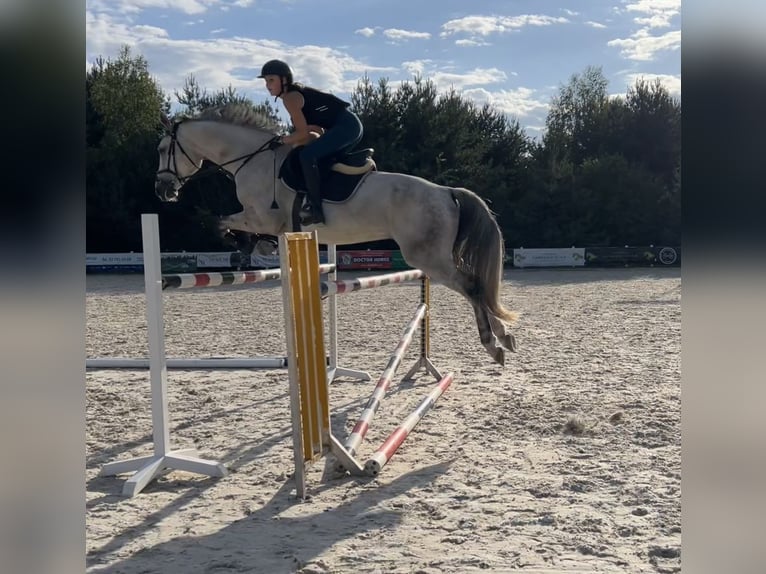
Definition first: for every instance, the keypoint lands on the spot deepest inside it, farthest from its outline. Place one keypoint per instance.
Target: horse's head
(177, 164)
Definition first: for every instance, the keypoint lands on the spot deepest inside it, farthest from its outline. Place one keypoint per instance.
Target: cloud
(150, 31)
(671, 83)
(397, 34)
(518, 102)
(659, 12)
(475, 77)
(183, 6)
(417, 67)
(366, 32)
(486, 25)
(471, 43)
(642, 46)
(219, 62)
(595, 24)
(445, 79)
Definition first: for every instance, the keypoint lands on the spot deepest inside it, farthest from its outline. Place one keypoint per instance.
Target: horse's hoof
(510, 342)
(499, 356)
(265, 247)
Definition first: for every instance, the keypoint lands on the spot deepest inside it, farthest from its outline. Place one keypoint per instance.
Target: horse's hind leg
(493, 332)
(442, 270)
(500, 330)
(487, 335)
(431, 251)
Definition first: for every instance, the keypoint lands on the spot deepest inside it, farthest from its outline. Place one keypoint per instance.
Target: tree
(123, 105)
(125, 97)
(376, 109)
(653, 131)
(575, 122)
(607, 168)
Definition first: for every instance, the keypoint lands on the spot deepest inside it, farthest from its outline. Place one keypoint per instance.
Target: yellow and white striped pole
(306, 359)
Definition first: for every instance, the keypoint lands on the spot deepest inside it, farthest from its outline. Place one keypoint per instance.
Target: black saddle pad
(335, 186)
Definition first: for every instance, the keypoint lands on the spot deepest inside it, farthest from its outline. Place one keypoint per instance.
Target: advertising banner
(114, 262)
(214, 260)
(179, 262)
(367, 259)
(553, 257)
(632, 256)
(114, 259)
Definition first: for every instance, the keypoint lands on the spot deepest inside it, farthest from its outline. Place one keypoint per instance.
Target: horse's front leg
(233, 222)
(239, 231)
(234, 231)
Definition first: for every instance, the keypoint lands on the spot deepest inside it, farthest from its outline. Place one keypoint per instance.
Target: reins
(175, 143)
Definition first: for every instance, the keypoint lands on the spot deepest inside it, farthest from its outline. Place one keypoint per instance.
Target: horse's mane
(240, 114)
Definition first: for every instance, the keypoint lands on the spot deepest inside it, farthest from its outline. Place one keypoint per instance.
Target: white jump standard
(164, 458)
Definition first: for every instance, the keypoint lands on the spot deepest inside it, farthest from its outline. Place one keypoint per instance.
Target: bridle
(176, 144)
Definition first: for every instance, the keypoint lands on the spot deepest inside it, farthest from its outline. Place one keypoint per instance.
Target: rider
(309, 110)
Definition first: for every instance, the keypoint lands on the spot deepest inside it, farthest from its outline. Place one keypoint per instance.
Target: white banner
(554, 257)
(92, 259)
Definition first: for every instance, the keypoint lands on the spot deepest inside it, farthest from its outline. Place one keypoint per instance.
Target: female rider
(312, 110)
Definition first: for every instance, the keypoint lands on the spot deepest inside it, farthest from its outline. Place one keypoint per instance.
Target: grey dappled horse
(447, 232)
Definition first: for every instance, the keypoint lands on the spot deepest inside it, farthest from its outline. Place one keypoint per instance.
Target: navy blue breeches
(342, 137)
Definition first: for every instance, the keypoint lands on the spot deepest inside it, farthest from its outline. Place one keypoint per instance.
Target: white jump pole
(192, 280)
(201, 363)
(164, 459)
(334, 371)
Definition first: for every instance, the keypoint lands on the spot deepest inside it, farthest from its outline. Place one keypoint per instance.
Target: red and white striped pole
(220, 278)
(381, 456)
(363, 424)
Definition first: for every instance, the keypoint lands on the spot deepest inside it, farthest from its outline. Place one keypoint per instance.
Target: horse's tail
(479, 251)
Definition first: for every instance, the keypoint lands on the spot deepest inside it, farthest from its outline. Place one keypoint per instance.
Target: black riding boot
(311, 211)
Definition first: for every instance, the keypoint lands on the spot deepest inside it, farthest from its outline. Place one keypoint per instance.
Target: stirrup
(310, 214)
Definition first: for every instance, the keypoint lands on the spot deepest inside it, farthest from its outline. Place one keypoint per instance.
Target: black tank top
(319, 108)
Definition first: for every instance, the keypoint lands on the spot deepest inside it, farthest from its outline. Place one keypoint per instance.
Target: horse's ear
(166, 123)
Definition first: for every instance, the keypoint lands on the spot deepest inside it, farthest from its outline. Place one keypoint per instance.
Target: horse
(449, 233)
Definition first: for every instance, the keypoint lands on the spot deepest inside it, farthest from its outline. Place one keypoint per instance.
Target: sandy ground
(568, 459)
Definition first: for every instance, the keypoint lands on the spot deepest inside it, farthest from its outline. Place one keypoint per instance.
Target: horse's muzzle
(165, 190)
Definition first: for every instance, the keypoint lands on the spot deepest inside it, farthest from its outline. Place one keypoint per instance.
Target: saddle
(339, 175)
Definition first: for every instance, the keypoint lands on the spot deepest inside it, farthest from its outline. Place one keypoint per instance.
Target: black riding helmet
(277, 68)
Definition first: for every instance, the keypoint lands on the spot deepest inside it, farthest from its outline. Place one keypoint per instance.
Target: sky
(514, 55)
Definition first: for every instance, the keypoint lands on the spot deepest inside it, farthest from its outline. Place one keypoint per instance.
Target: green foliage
(608, 169)
(123, 105)
(125, 97)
